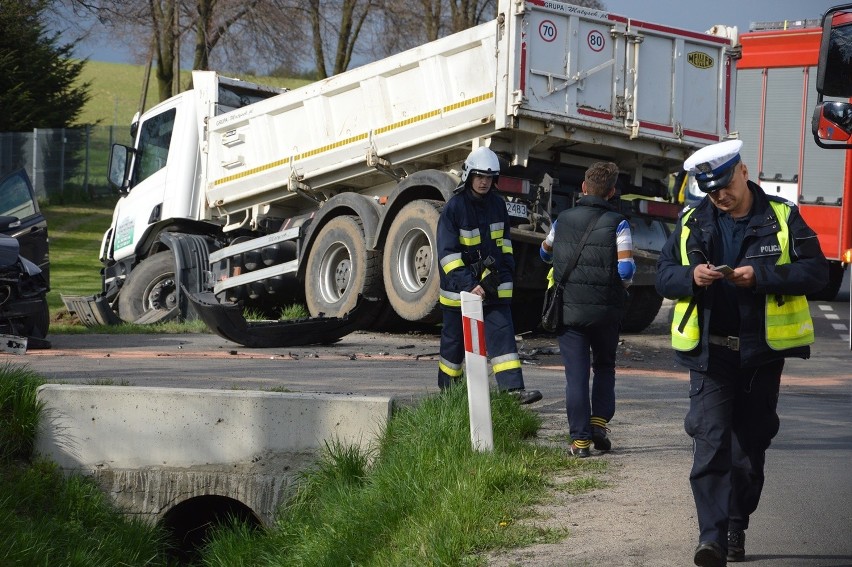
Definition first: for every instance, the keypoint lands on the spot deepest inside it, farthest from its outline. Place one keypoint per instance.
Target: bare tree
(215, 19)
(164, 23)
(338, 24)
(468, 13)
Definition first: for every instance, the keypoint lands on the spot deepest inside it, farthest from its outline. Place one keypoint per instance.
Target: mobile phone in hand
(724, 268)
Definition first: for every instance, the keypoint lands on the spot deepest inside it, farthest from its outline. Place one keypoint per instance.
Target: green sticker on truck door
(123, 233)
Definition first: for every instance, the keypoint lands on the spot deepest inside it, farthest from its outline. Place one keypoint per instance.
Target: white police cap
(713, 165)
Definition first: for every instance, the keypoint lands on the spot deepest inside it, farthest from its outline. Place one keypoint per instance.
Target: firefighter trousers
(502, 351)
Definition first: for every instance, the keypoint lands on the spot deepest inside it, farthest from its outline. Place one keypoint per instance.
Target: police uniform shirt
(725, 320)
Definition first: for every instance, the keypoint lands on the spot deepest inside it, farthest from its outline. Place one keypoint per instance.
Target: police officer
(475, 255)
(733, 327)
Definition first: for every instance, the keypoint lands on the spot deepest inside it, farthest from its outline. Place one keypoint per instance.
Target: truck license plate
(517, 209)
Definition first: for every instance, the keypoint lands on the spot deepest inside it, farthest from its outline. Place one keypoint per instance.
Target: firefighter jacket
(594, 291)
(774, 317)
(470, 230)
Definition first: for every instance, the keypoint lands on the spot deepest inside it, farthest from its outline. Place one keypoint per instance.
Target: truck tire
(150, 286)
(340, 268)
(410, 264)
(640, 310)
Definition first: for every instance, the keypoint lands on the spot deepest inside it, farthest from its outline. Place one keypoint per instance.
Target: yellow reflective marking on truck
(359, 137)
(468, 102)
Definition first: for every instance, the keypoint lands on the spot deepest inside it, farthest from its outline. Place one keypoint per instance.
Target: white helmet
(481, 161)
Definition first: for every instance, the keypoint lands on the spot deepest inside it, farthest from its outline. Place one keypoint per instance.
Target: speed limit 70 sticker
(547, 30)
(596, 40)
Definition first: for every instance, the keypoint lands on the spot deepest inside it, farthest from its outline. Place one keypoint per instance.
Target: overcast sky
(692, 15)
(702, 15)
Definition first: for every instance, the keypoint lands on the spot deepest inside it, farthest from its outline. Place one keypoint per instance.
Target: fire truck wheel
(641, 308)
(340, 268)
(410, 262)
(150, 286)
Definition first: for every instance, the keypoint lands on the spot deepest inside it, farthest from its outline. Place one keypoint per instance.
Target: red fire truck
(776, 95)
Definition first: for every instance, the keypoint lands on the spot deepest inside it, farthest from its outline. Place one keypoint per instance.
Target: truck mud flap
(92, 310)
(227, 321)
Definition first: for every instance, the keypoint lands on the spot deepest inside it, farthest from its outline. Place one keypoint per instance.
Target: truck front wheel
(410, 266)
(149, 287)
(340, 268)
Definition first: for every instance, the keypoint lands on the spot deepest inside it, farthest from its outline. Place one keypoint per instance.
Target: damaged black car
(24, 262)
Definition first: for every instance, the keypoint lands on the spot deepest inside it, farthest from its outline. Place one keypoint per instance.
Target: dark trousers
(499, 343)
(732, 419)
(588, 351)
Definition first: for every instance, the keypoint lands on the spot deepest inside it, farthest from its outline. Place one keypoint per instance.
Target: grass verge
(421, 497)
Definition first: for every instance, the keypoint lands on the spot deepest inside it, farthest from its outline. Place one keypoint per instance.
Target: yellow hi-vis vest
(788, 317)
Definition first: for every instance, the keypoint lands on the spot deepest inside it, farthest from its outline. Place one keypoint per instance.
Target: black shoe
(526, 396)
(579, 452)
(709, 554)
(600, 439)
(736, 545)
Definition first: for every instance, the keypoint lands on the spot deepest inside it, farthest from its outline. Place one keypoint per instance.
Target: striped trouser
(499, 343)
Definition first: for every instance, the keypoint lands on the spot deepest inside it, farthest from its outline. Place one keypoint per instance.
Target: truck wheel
(410, 264)
(340, 268)
(149, 287)
(641, 308)
(835, 279)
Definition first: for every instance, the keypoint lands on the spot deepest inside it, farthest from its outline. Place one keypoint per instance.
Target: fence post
(35, 160)
(476, 371)
(86, 170)
(62, 167)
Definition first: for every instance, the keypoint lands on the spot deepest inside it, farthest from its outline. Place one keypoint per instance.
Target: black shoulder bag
(551, 312)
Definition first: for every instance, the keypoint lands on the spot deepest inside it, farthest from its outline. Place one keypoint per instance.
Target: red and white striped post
(476, 370)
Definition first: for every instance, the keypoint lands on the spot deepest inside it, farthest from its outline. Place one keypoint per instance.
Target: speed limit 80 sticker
(596, 40)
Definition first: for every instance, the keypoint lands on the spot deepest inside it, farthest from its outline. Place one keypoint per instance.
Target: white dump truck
(329, 194)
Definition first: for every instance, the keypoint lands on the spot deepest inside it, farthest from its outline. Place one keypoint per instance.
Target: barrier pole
(476, 371)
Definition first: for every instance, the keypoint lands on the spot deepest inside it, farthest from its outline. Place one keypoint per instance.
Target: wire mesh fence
(66, 165)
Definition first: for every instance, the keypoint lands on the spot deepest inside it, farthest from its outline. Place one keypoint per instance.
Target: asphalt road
(805, 518)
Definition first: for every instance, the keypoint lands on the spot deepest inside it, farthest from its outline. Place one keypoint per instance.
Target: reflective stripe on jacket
(788, 319)
(471, 229)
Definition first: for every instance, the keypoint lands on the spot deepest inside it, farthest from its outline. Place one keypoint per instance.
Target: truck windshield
(837, 80)
(155, 137)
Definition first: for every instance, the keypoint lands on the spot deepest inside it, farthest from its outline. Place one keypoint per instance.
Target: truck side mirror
(119, 174)
(832, 121)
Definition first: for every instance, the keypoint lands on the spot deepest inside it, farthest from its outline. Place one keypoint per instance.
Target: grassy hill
(116, 88)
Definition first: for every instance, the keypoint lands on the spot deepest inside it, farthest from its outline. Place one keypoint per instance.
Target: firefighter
(732, 328)
(475, 255)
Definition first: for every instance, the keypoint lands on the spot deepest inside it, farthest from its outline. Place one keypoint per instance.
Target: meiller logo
(699, 59)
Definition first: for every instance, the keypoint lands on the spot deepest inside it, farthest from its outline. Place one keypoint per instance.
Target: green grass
(20, 412)
(420, 497)
(48, 519)
(423, 497)
(75, 239)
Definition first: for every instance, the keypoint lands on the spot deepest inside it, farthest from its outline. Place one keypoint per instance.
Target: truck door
(162, 179)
